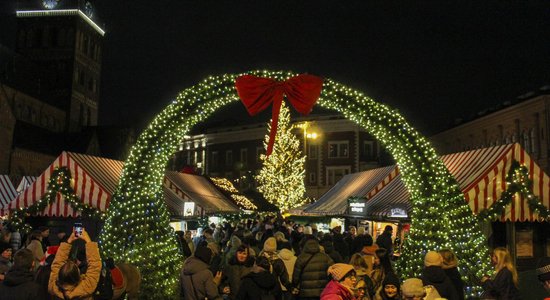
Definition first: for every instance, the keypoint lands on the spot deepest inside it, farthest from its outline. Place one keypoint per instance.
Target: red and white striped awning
(7, 191)
(481, 175)
(94, 182)
(25, 182)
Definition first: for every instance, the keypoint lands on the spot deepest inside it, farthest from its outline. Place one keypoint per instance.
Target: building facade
(335, 147)
(527, 121)
(49, 85)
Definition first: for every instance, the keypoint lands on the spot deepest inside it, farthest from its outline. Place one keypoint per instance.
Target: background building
(50, 87)
(526, 120)
(335, 147)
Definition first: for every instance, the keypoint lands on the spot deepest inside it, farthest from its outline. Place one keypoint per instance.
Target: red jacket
(335, 291)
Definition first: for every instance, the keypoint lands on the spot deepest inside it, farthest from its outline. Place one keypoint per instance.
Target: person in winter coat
(450, 266)
(277, 266)
(341, 284)
(504, 285)
(35, 245)
(282, 242)
(414, 289)
(382, 266)
(309, 275)
(5, 259)
(327, 243)
(433, 274)
(231, 248)
(260, 283)
(42, 276)
(238, 266)
(66, 282)
(289, 259)
(390, 289)
(18, 283)
(361, 239)
(339, 244)
(363, 274)
(196, 280)
(385, 240)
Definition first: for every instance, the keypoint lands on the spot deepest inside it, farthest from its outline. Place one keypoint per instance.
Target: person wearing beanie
(342, 282)
(282, 242)
(450, 267)
(390, 289)
(433, 274)
(414, 289)
(277, 266)
(196, 280)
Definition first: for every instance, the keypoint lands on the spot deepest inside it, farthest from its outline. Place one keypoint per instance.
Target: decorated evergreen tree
(281, 179)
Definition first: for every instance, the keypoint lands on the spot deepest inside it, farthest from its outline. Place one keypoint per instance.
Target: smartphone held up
(78, 229)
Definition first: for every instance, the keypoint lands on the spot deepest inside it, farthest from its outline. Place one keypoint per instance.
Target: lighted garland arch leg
(137, 226)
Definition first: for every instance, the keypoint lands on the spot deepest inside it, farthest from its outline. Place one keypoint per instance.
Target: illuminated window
(338, 149)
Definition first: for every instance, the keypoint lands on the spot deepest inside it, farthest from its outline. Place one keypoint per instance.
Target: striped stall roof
(7, 191)
(334, 201)
(94, 178)
(25, 182)
(174, 202)
(481, 175)
(378, 205)
(199, 190)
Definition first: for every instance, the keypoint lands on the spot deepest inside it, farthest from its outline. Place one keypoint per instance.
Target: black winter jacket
(456, 280)
(313, 278)
(19, 285)
(434, 275)
(259, 284)
(502, 287)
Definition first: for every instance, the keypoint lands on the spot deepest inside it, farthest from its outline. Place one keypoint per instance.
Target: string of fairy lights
(137, 230)
(281, 178)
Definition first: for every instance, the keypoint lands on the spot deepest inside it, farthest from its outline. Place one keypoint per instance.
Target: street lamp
(312, 135)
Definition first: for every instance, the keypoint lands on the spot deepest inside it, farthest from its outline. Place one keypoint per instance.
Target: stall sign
(188, 209)
(398, 212)
(357, 206)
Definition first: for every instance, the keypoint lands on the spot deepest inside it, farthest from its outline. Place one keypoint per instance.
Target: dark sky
(433, 61)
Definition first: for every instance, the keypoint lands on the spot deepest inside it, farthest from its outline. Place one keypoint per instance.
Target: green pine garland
(60, 182)
(517, 182)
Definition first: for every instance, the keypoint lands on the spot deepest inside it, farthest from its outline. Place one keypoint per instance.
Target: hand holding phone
(78, 229)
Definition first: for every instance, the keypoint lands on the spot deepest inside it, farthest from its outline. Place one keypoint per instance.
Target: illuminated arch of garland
(137, 227)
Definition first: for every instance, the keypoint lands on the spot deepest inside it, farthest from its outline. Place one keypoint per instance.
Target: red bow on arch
(257, 93)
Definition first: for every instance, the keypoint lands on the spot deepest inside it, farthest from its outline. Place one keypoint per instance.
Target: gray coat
(196, 279)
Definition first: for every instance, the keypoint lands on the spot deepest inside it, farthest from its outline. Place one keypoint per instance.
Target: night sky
(433, 62)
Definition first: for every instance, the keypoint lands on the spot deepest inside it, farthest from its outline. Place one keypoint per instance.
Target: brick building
(340, 147)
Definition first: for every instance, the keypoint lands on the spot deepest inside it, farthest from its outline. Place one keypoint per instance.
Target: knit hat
(270, 245)
(543, 269)
(433, 258)
(203, 253)
(308, 230)
(413, 287)
(390, 278)
(280, 236)
(339, 271)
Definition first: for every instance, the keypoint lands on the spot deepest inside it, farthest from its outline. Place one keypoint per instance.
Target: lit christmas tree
(281, 179)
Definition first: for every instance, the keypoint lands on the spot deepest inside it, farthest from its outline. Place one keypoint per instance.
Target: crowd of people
(40, 267)
(274, 259)
(252, 259)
